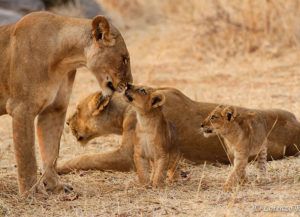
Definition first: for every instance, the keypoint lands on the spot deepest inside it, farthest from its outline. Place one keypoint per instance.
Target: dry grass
(236, 52)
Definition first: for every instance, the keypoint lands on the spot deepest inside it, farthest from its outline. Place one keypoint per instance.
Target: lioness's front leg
(239, 170)
(120, 159)
(23, 136)
(49, 128)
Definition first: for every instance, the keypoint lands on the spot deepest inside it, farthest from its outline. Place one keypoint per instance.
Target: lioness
(39, 56)
(248, 132)
(154, 138)
(117, 117)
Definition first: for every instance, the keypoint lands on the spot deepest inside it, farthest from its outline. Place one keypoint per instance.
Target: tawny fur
(117, 117)
(248, 132)
(39, 56)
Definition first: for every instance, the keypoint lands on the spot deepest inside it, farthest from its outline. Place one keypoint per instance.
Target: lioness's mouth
(111, 86)
(128, 96)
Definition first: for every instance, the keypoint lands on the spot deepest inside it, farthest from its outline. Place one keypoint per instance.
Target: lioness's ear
(101, 31)
(98, 103)
(101, 104)
(157, 99)
(93, 102)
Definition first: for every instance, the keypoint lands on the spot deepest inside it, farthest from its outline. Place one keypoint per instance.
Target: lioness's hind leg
(49, 128)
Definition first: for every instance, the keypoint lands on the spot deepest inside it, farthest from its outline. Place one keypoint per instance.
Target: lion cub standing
(248, 133)
(154, 146)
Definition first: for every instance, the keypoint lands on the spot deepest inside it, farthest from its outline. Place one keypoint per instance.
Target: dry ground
(268, 78)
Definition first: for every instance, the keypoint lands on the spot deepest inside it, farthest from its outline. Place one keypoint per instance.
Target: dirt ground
(160, 57)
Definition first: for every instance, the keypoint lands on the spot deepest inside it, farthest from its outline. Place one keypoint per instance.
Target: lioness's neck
(73, 40)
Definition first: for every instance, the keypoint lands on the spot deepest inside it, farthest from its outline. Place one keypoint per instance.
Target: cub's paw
(228, 187)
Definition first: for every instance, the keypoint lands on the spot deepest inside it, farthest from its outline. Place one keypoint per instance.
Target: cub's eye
(213, 117)
(142, 91)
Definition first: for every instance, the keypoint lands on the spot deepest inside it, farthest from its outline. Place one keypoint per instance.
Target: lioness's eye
(213, 117)
(142, 91)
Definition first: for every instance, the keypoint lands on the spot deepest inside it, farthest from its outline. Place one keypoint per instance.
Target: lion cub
(154, 146)
(246, 133)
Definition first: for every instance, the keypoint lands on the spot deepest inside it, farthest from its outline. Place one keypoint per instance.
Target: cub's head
(107, 56)
(91, 118)
(144, 99)
(219, 120)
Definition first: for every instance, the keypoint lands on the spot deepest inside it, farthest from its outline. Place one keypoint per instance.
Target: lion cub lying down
(248, 133)
(153, 143)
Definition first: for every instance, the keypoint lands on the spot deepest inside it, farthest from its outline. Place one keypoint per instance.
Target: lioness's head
(91, 118)
(144, 99)
(219, 120)
(107, 56)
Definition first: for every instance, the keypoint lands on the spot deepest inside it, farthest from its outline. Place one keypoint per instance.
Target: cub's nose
(202, 125)
(80, 138)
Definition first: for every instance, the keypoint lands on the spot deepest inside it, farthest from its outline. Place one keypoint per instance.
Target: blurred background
(223, 27)
(199, 45)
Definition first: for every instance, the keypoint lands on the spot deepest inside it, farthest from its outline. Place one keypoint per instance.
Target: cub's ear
(101, 31)
(230, 112)
(157, 99)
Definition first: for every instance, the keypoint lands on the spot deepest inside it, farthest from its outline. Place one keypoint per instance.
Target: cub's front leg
(261, 163)
(142, 167)
(160, 170)
(239, 170)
